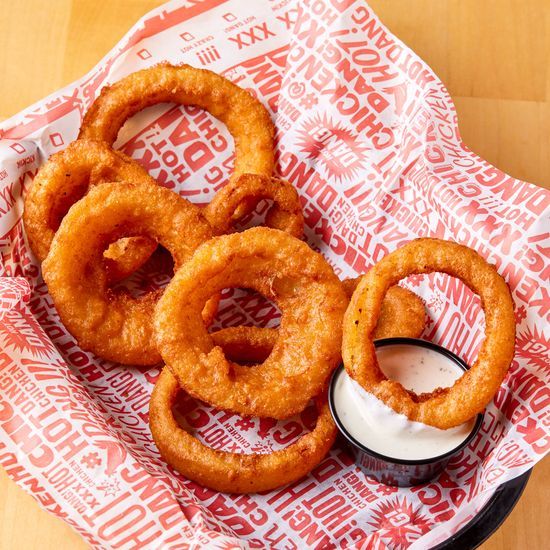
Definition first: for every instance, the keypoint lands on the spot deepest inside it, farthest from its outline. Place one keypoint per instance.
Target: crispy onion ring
(445, 407)
(298, 280)
(234, 472)
(63, 180)
(402, 312)
(240, 196)
(245, 117)
(110, 323)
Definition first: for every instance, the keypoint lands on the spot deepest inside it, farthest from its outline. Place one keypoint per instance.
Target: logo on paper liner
(399, 523)
(337, 150)
(534, 347)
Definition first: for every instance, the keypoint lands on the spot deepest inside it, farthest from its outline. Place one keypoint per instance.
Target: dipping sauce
(380, 428)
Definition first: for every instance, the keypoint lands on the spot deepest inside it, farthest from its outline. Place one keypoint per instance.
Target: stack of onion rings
(245, 117)
(445, 407)
(298, 280)
(203, 365)
(236, 472)
(63, 180)
(67, 175)
(112, 324)
(89, 236)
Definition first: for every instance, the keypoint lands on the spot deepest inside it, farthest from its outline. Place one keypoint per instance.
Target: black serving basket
(489, 518)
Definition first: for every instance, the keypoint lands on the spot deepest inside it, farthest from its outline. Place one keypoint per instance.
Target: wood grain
(494, 58)
(492, 55)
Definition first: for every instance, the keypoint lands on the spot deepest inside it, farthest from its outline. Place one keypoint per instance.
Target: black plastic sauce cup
(397, 471)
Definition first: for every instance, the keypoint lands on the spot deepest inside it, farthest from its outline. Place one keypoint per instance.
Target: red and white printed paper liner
(368, 135)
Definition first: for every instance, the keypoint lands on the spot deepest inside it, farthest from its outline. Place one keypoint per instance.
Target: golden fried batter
(298, 280)
(444, 407)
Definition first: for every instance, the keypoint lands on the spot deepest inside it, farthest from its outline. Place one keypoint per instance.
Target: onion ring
(127, 255)
(240, 196)
(246, 118)
(111, 323)
(402, 312)
(234, 472)
(309, 295)
(64, 179)
(246, 344)
(445, 407)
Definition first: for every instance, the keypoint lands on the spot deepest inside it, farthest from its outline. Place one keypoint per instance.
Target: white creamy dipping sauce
(380, 428)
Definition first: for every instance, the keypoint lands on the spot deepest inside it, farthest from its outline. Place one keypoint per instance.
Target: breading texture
(240, 196)
(64, 179)
(285, 270)
(402, 312)
(444, 407)
(113, 324)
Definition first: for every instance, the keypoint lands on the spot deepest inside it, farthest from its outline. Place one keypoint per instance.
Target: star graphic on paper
(110, 487)
(262, 447)
(308, 101)
(244, 424)
(520, 313)
(435, 303)
(91, 460)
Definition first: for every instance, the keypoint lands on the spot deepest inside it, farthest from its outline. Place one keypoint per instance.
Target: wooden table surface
(492, 55)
